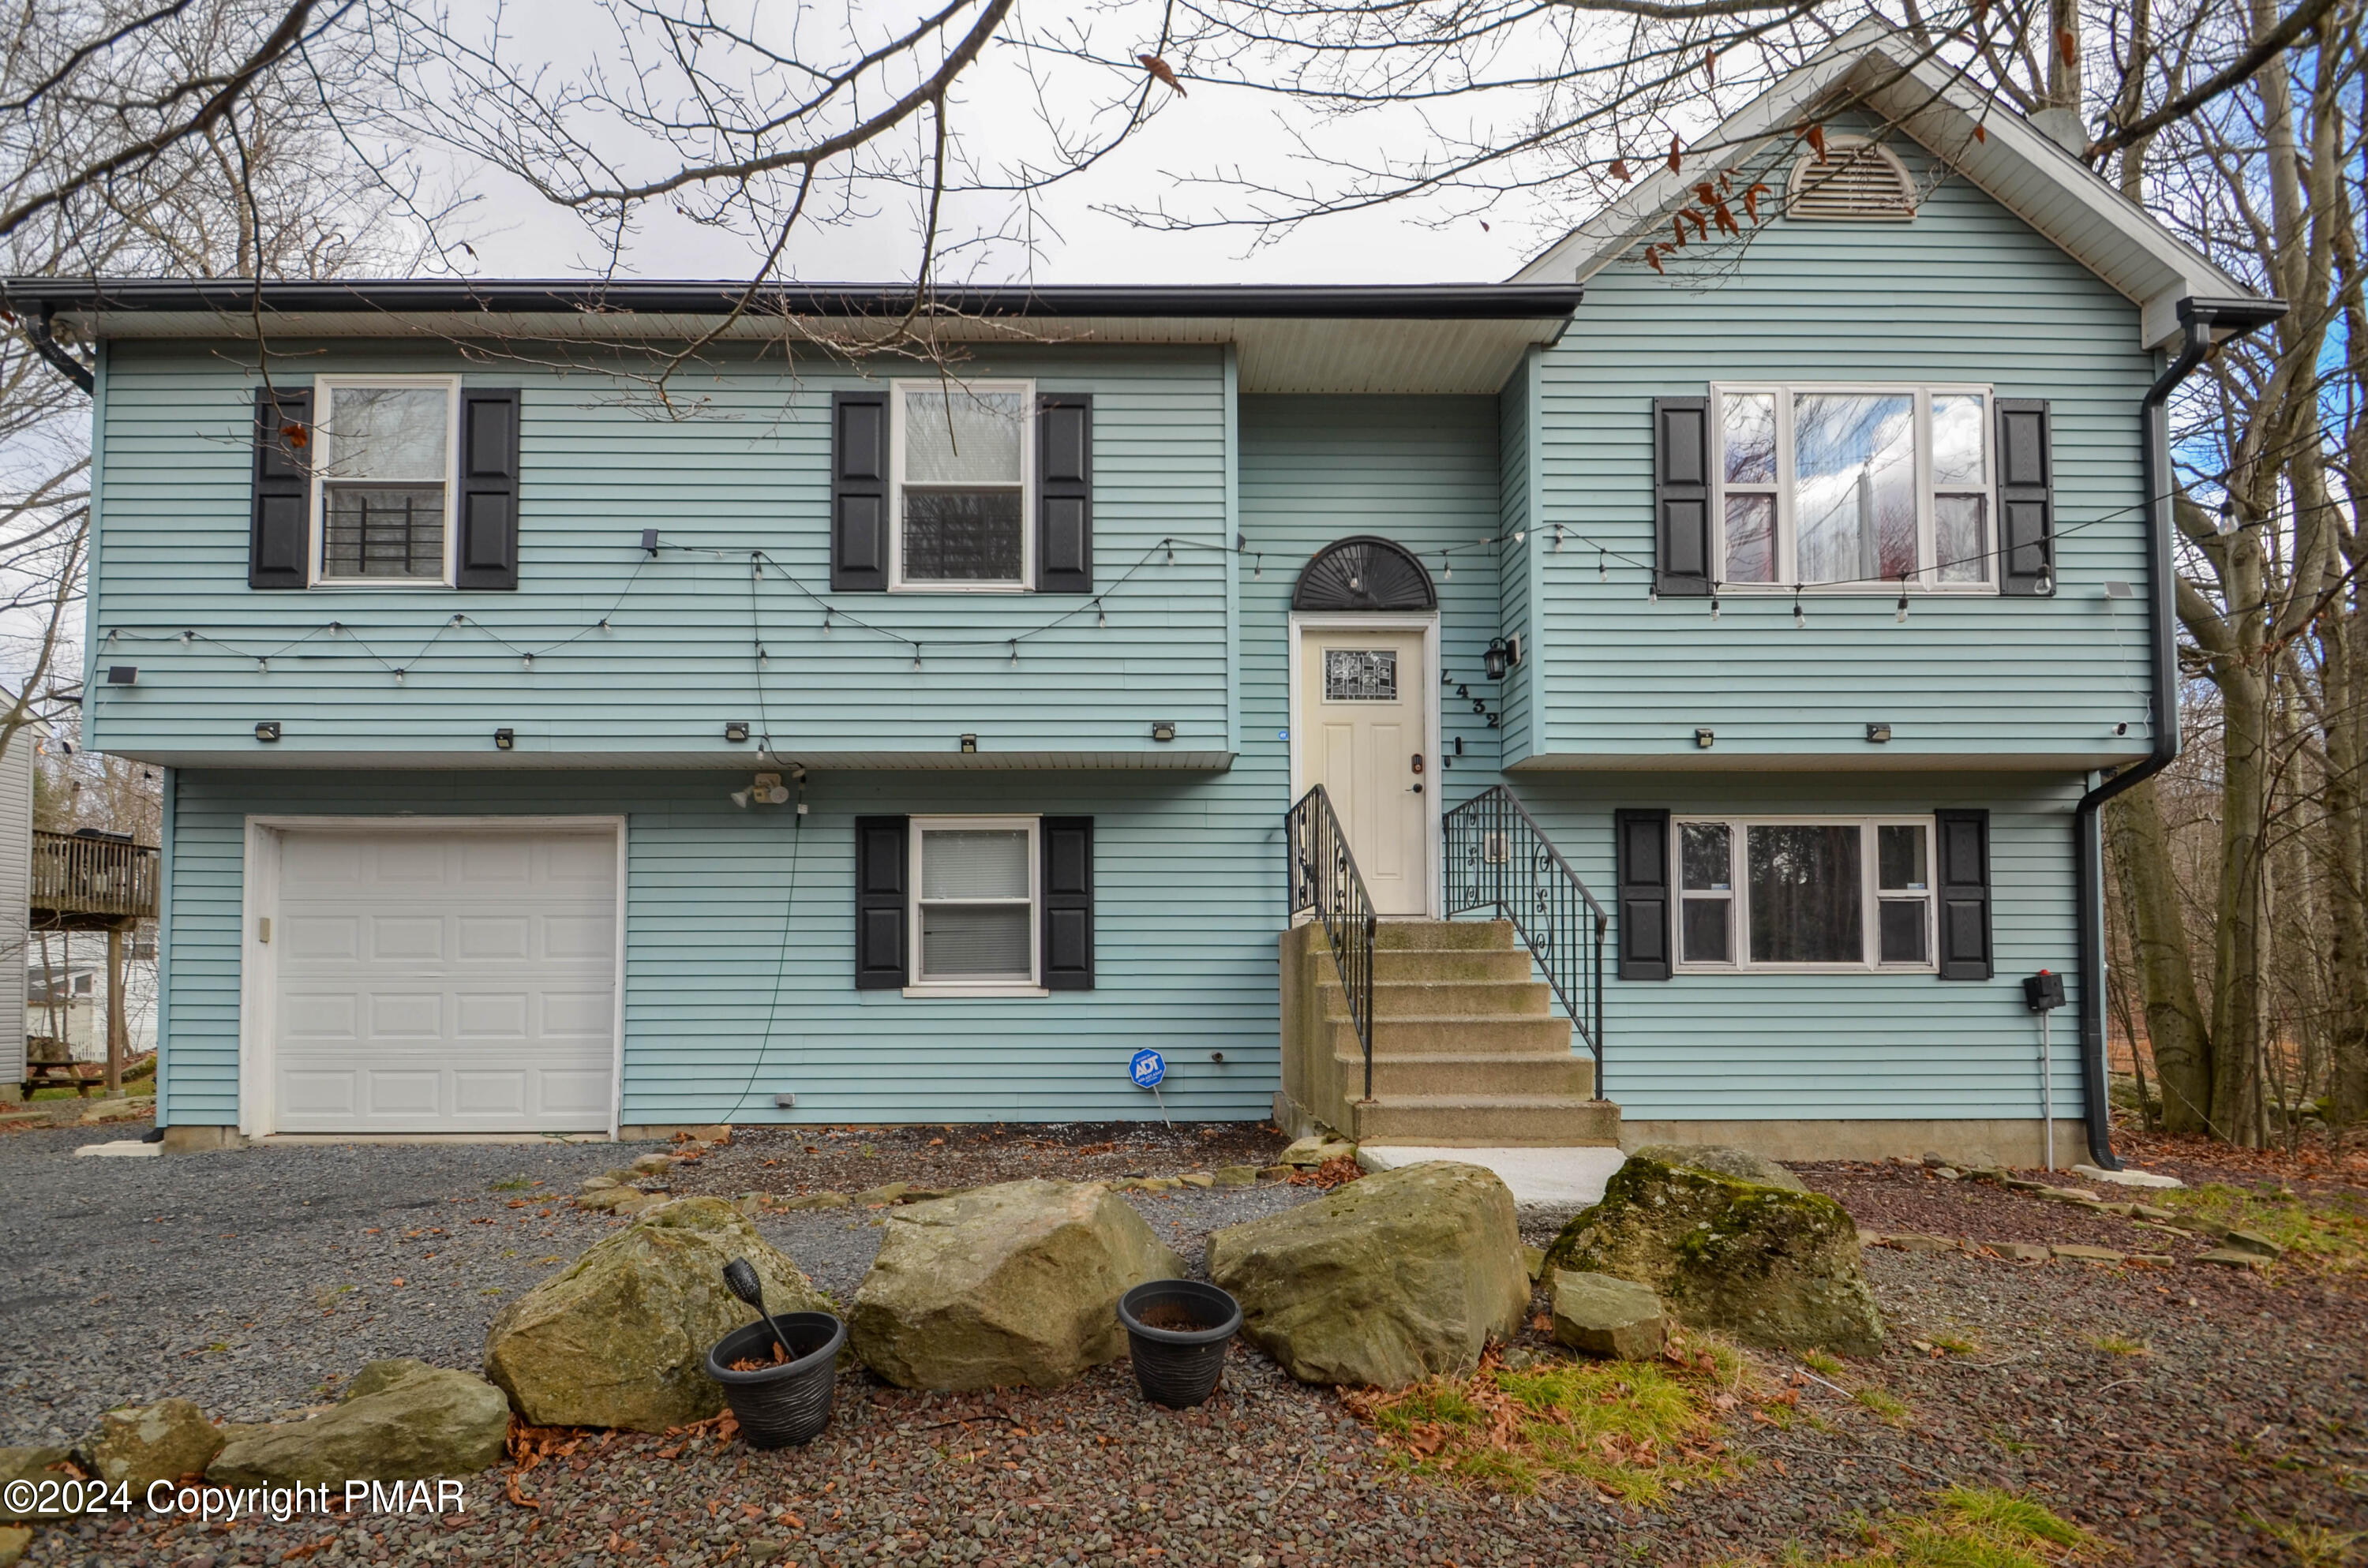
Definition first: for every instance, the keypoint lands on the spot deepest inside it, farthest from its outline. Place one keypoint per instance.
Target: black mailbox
(2043, 991)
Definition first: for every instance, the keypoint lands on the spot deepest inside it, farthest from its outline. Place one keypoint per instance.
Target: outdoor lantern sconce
(504, 740)
(122, 674)
(268, 731)
(1163, 729)
(735, 731)
(1498, 658)
(969, 743)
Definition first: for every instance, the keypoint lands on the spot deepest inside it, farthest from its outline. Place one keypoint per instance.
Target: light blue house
(843, 738)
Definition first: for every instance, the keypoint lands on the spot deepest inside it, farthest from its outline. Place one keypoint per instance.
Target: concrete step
(1548, 1036)
(1519, 1121)
(1446, 998)
(1444, 963)
(1454, 1074)
(1461, 934)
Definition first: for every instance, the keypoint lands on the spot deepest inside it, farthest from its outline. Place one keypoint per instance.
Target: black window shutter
(1681, 495)
(1067, 960)
(859, 493)
(1065, 492)
(882, 851)
(2026, 492)
(487, 557)
(280, 529)
(1962, 867)
(1642, 839)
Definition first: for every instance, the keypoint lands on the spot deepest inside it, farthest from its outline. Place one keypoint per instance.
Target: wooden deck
(83, 881)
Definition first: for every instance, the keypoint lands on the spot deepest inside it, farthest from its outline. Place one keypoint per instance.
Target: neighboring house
(66, 999)
(15, 883)
(538, 761)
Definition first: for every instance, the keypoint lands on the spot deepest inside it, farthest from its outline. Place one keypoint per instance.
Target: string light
(1602, 571)
(1101, 616)
(1557, 548)
(1902, 616)
(528, 660)
(1015, 653)
(826, 613)
(1713, 601)
(188, 638)
(917, 655)
(764, 659)
(398, 676)
(1446, 568)
(1257, 565)
(1171, 551)
(604, 626)
(262, 667)
(1800, 617)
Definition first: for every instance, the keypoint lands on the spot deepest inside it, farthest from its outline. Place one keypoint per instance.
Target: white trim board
(259, 967)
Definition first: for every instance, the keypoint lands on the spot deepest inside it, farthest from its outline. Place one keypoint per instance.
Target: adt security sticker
(1148, 1068)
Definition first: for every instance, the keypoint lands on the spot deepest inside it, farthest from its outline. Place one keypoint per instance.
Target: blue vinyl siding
(1748, 1046)
(1965, 293)
(746, 469)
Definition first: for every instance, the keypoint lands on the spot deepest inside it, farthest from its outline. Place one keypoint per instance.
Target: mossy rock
(401, 1420)
(145, 1443)
(1767, 1265)
(620, 1337)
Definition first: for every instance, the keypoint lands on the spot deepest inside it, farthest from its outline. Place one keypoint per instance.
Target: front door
(1363, 723)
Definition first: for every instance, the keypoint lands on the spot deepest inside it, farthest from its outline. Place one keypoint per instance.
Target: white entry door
(1365, 714)
(445, 980)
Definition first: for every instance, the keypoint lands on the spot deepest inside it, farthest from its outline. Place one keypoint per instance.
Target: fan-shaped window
(1859, 182)
(1363, 573)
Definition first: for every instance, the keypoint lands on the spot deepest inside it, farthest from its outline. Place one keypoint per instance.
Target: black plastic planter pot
(1180, 1353)
(786, 1404)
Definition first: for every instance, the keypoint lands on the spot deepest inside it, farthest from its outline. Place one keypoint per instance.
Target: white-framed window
(975, 898)
(386, 450)
(1803, 893)
(962, 484)
(1866, 487)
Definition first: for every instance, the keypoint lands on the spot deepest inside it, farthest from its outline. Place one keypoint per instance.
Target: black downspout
(46, 345)
(2198, 318)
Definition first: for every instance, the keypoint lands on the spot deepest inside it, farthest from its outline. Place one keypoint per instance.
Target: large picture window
(1804, 893)
(974, 903)
(1867, 486)
(962, 461)
(383, 479)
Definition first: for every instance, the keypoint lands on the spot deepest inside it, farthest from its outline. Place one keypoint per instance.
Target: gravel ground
(2218, 1398)
(853, 1159)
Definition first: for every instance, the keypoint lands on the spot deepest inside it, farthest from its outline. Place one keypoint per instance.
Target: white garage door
(445, 981)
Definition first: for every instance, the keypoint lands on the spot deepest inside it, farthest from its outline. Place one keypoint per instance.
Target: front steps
(1468, 1050)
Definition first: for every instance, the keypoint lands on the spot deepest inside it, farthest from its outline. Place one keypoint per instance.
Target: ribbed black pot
(1178, 1367)
(788, 1402)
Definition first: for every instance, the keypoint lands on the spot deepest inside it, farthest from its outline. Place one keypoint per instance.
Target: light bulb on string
(1171, 550)
(1602, 568)
(763, 658)
(1101, 616)
(1713, 601)
(1446, 568)
(917, 655)
(1557, 548)
(1015, 653)
(398, 677)
(188, 638)
(1901, 616)
(604, 626)
(1257, 564)
(263, 667)
(1800, 617)
(826, 613)
(525, 661)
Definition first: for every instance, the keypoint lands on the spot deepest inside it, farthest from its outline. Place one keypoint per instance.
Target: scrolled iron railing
(1496, 854)
(1325, 879)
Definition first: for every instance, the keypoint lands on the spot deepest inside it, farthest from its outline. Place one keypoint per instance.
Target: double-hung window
(974, 903)
(1876, 487)
(383, 479)
(961, 467)
(1804, 893)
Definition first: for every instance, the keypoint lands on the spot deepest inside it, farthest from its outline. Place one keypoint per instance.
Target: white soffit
(2021, 167)
(1278, 354)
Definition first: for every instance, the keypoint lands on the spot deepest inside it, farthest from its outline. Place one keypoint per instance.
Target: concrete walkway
(1560, 1178)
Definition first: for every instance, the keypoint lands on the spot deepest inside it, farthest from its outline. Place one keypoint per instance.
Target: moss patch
(1968, 1527)
(1635, 1430)
(2328, 1231)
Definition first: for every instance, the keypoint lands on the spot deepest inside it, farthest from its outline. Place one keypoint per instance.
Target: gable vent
(1859, 182)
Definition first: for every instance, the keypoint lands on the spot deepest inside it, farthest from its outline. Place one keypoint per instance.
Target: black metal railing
(1324, 879)
(1496, 854)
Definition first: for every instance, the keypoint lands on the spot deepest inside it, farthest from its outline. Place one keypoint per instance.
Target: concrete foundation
(193, 1138)
(2013, 1141)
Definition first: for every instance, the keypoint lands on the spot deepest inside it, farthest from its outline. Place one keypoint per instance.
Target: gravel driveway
(254, 1281)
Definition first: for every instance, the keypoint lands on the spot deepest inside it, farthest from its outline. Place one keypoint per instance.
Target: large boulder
(400, 1420)
(1002, 1286)
(620, 1337)
(1769, 1265)
(1382, 1282)
(1721, 1159)
(146, 1443)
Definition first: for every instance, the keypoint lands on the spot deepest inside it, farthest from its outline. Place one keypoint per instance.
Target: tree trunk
(2176, 1029)
(2343, 841)
(115, 1030)
(2236, 953)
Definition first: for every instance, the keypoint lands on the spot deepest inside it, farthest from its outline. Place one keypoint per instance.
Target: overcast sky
(1213, 130)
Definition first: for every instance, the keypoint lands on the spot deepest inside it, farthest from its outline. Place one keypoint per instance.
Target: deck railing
(1324, 879)
(1496, 854)
(78, 876)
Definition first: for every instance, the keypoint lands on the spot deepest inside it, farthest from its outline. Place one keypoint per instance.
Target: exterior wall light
(122, 674)
(1878, 735)
(735, 731)
(1705, 738)
(969, 744)
(1163, 729)
(268, 731)
(1498, 658)
(504, 740)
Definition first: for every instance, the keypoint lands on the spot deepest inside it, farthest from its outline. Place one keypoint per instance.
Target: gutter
(2198, 318)
(245, 297)
(54, 355)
